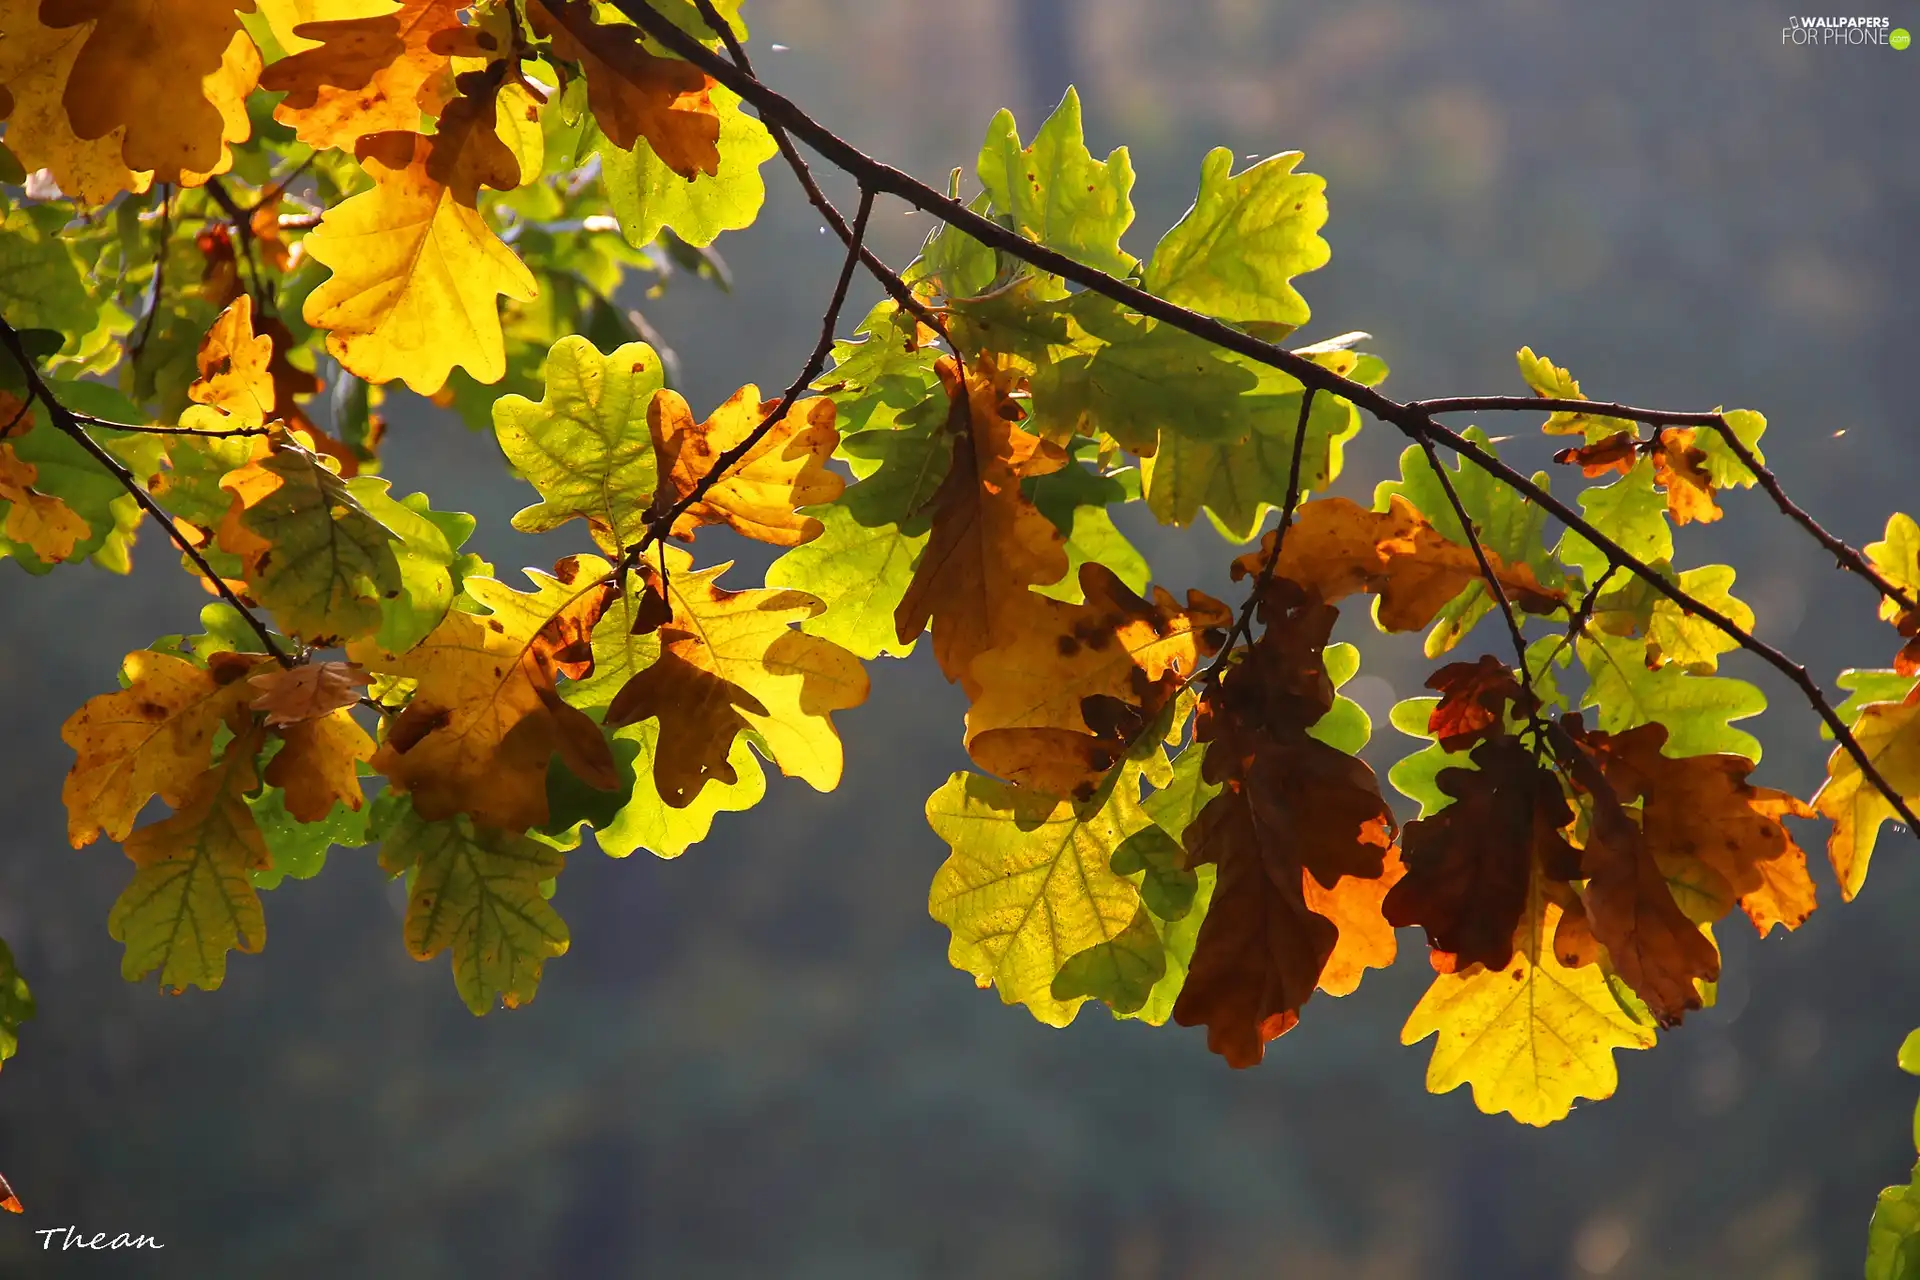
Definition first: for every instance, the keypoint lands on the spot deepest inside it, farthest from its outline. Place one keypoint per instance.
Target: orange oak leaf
(484, 720)
(234, 367)
(173, 126)
(1354, 905)
(1291, 810)
(290, 695)
(1470, 864)
(1631, 912)
(318, 763)
(785, 469)
(633, 93)
(367, 75)
(989, 544)
(1060, 701)
(734, 661)
(40, 520)
(1679, 467)
(152, 738)
(468, 152)
(1717, 839)
(1615, 453)
(1475, 699)
(8, 1200)
(1336, 547)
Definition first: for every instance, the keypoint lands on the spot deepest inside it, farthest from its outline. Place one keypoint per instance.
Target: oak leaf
(1028, 887)
(785, 469)
(989, 544)
(415, 276)
(1889, 734)
(35, 64)
(318, 764)
(172, 124)
(485, 717)
(233, 362)
(475, 890)
(39, 520)
(634, 93)
(190, 901)
(363, 74)
(154, 737)
(310, 552)
(1291, 809)
(1336, 548)
(1469, 866)
(732, 662)
(1531, 1037)
(1060, 701)
(290, 695)
(1680, 469)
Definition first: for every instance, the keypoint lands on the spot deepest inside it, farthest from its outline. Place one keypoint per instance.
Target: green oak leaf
(1346, 726)
(299, 849)
(1172, 807)
(16, 1003)
(1029, 886)
(330, 565)
(1238, 483)
(871, 536)
(1672, 633)
(1869, 686)
(645, 195)
(40, 282)
(68, 472)
(1248, 234)
(1631, 512)
(1056, 193)
(585, 446)
(1135, 379)
(1723, 464)
(427, 549)
(1893, 1234)
(1551, 381)
(1697, 710)
(477, 892)
(1078, 499)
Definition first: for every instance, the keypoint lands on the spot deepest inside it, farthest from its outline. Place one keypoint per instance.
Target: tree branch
(1416, 423)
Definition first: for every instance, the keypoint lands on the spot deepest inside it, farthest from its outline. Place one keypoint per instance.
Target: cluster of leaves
(1170, 814)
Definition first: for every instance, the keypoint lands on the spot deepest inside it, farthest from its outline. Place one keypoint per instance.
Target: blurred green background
(755, 1061)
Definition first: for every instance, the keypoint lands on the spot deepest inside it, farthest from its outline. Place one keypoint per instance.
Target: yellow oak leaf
(415, 276)
(362, 67)
(484, 719)
(1530, 1038)
(1060, 701)
(989, 544)
(785, 469)
(155, 737)
(732, 661)
(35, 65)
(317, 765)
(40, 520)
(636, 94)
(143, 68)
(1889, 733)
(191, 901)
(1028, 885)
(233, 363)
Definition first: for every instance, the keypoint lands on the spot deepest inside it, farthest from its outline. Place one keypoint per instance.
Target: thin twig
(155, 430)
(1243, 624)
(660, 525)
(803, 173)
(67, 423)
(1660, 420)
(159, 274)
(1417, 423)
